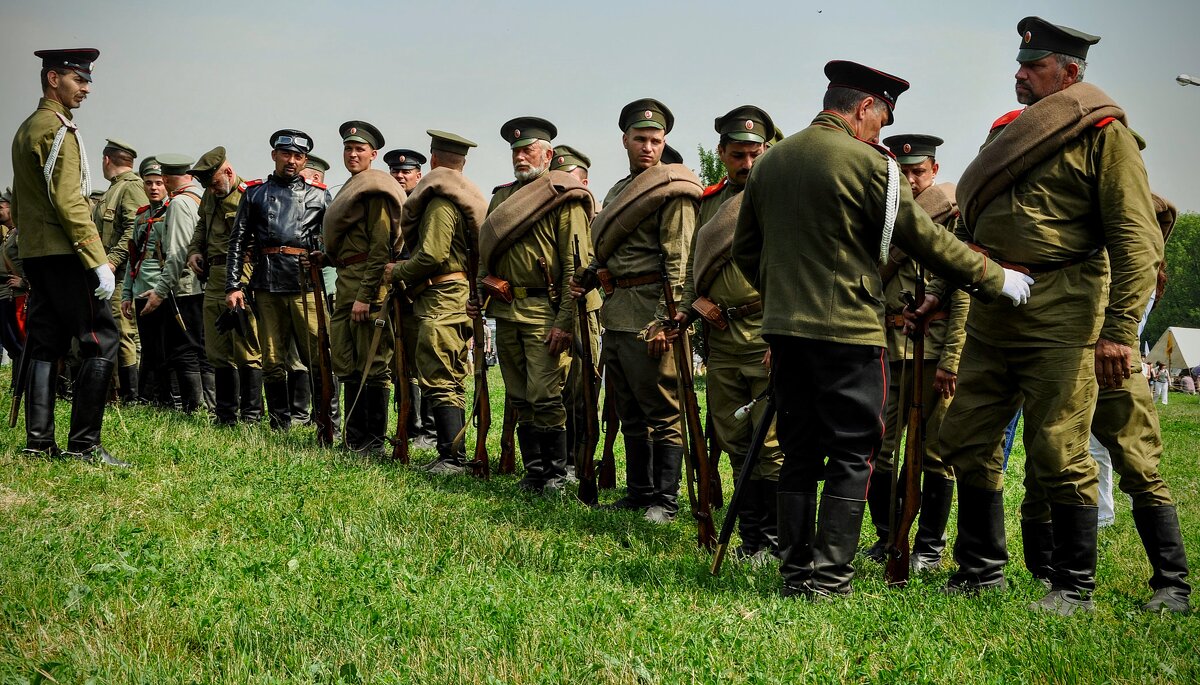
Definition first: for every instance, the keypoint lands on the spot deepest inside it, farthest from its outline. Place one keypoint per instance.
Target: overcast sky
(185, 77)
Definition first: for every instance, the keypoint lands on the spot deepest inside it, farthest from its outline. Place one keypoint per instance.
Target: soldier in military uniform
(314, 170)
(12, 285)
(64, 261)
(234, 354)
(810, 246)
(916, 155)
(114, 217)
(443, 212)
(660, 209)
(278, 224)
(526, 262)
(405, 166)
(142, 271)
(716, 291)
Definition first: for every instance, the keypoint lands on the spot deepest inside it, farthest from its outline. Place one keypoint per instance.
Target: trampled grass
(243, 556)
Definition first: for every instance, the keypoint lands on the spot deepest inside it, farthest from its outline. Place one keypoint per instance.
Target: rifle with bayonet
(698, 469)
(612, 428)
(400, 372)
(585, 448)
(481, 412)
(904, 512)
(739, 488)
(324, 408)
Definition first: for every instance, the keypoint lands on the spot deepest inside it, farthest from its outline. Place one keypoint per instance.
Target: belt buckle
(380, 323)
(520, 292)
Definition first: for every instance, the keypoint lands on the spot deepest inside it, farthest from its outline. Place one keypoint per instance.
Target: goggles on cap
(298, 141)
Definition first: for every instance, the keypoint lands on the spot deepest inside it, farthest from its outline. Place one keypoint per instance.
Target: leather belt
(435, 280)
(896, 321)
(520, 292)
(642, 279)
(742, 311)
(1032, 269)
(351, 260)
(294, 251)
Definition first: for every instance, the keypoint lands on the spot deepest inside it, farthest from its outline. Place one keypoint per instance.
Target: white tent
(1178, 348)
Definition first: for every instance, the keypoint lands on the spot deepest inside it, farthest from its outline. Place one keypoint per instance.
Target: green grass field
(242, 556)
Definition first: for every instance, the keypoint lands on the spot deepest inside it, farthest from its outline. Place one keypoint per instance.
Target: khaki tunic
(115, 217)
(349, 341)
(171, 237)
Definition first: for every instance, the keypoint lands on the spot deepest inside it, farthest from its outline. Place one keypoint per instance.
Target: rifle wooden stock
(400, 371)
(482, 409)
(899, 548)
(717, 490)
(607, 479)
(508, 445)
(585, 454)
(324, 408)
(698, 469)
(739, 488)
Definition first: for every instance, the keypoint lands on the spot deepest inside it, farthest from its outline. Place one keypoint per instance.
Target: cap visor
(1027, 55)
(522, 142)
(351, 139)
(747, 137)
(646, 124)
(911, 159)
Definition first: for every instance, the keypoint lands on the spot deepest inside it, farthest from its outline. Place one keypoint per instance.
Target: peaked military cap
(913, 148)
(646, 113)
(292, 140)
(775, 138)
(150, 167)
(315, 162)
(845, 74)
(120, 145)
(1040, 38)
(671, 156)
(567, 158)
(360, 132)
(522, 131)
(175, 164)
(449, 142)
(404, 159)
(78, 60)
(746, 123)
(6, 196)
(207, 165)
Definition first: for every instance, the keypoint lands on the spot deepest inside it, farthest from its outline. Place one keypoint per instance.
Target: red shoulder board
(143, 209)
(251, 184)
(314, 184)
(1105, 122)
(714, 188)
(242, 187)
(1007, 118)
(502, 185)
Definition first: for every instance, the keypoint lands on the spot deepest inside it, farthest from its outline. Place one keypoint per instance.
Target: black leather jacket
(275, 213)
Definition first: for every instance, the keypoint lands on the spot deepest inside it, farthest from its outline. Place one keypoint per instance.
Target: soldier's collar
(56, 107)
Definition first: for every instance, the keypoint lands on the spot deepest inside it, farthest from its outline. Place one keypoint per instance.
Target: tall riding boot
(554, 458)
(250, 393)
(531, 459)
(879, 495)
(127, 376)
(1037, 543)
(1159, 530)
(428, 423)
(750, 520)
(300, 389)
(937, 494)
(1073, 561)
(87, 412)
(838, 528)
(769, 492)
(415, 426)
(39, 408)
(279, 404)
(797, 523)
(356, 421)
(639, 478)
(980, 549)
(452, 457)
(191, 391)
(377, 397)
(667, 463)
(209, 385)
(226, 409)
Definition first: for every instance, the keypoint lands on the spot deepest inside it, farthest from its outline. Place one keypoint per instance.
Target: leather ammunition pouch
(498, 288)
(710, 311)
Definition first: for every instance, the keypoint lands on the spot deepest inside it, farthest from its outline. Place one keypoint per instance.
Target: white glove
(1016, 287)
(108, 284)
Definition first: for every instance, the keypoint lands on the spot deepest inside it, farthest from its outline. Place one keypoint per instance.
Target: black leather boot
(838, 528)
(531, 458)
(452, 456)
(879, 494)
(300, 389)
(797, 524)
(87, 413)
(279, 405)
(1073, 560)
(227, 382)
(980, 549)
(40, 394)
(191, 391)
(667, 468)
(356, 421)
(639, 477)
(209, 384)
(1037, 545)
(554, 459)
(127, 376)
(750, 522)
(937, 494)
(250, 392)
(1159, 530)
(377, 397)
(428, 424)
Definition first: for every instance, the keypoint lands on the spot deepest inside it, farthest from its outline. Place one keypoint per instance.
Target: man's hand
(16, 282)
(672, 332)
(152, 301)
(577, 290)
(127, 309)
(196, 264)
(317, 258)
(235, 299)
(387, 272)
(472, 308)
(1016, 287)
(1112, 363)
(766, 362)
(945, 383)
(657, 346)
(360, 312)
(112, 267)
(107, 283)
(920, 315)
(558, 340)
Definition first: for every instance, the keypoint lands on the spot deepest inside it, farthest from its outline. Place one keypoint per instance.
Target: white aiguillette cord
(891, 207)
(85, 174)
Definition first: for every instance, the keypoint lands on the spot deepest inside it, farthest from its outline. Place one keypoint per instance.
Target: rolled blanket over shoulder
(938, 202)
(714, 243)
(648, 191)
(348, 208)
(453, 186)
(1040, 131)
(517, 214)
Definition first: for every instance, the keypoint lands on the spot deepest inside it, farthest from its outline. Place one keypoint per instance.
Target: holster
(498, 288)
(551, 290)
(710, 312)
(607, 283)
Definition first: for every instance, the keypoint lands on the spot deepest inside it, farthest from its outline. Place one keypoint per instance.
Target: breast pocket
(872, 289)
